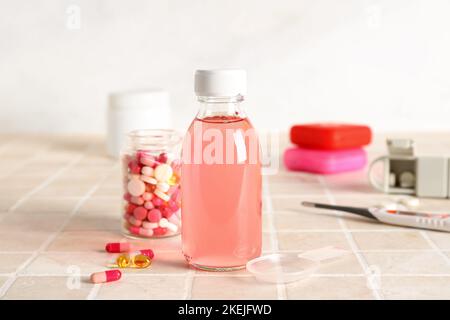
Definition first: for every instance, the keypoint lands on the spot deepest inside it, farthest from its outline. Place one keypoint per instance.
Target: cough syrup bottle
(221, 177)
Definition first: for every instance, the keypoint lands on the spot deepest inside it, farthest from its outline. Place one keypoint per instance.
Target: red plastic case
(330, 136)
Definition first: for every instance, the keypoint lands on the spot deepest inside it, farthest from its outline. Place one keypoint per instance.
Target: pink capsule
(116, 247)
(106, 276)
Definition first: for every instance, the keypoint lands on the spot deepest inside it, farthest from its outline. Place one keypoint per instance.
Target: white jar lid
(221, 82)
(145, 98)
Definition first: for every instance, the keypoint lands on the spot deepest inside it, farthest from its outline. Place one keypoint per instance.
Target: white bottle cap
(135, 110)
(221, 82)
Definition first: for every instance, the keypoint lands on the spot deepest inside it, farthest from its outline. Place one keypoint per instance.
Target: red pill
(127, 197)
(116, 247)
(134, 167)
(130, 208)
(157, 201)
(106, 276)
(167, 212)
(147, 252)
(162, 158)
(159, 231)
(154, 215)
(140, 213)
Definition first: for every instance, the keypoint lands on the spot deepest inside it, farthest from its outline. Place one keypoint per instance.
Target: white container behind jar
(133, 110)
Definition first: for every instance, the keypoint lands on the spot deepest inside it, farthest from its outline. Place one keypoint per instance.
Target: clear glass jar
(151, 180)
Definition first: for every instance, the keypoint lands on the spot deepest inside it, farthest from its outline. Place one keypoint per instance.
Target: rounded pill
(163, 186)
(148, 160)
(154, 215)
(137, 200)
(136, 187)
(147, 196)
(149, 179)
(147, 171)
(163, 172)
(135, 222)
(157, 201)
(140, 213)
(159, 231)
(149, 225)
(161, 195)
(149, 205)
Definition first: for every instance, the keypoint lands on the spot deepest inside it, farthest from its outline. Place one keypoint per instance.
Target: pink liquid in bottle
(221, 202)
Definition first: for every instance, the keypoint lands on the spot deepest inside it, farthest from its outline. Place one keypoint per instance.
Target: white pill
(407, 179)
(149, 225)
(163, 186)
(161, 195)
(164, 223)
(147, 171)
(410, 202)
(392, 179)
(136, 187)
(163, 172)
(149, 179)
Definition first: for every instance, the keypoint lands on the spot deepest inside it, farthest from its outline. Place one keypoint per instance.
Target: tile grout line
(225, 275)
(434, 247)
(189, 282)
(351, 241)
(281, 287)
(49, 239)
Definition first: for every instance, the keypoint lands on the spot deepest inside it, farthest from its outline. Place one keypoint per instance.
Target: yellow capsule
(141, 261)
(173, 180)
(123, 261)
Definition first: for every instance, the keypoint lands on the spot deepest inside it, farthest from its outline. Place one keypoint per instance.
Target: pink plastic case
(325, 162)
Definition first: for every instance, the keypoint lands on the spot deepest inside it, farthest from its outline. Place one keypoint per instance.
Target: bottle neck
(221, 108)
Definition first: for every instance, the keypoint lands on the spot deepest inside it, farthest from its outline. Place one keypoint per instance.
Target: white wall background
(381, 62)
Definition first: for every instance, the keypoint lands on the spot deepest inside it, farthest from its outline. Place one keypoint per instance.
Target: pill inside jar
(151, 170)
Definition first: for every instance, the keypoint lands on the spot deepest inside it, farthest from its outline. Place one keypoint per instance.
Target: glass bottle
(151, 180)
(221, 177)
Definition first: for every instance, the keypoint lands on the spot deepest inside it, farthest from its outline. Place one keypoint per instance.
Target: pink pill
(116, 247)
(159, 231)
(162, 158)
(135, 222)
(140, 213)
(173, 205)
(154, 215)
(157, 201)
(130, 208)
(137, 200)
(171, 190)
(148, 160)
(167, 212)
(141, 231)
(147, 196)
(127, 197)
(136, 187)
(106, 276)
(148, 205)
(134, 167)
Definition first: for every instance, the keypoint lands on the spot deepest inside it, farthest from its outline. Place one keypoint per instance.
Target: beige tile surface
(230, 287)
(144, 287)
(416, 287)
(54, 288)
(340, 288)
(56, 219)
